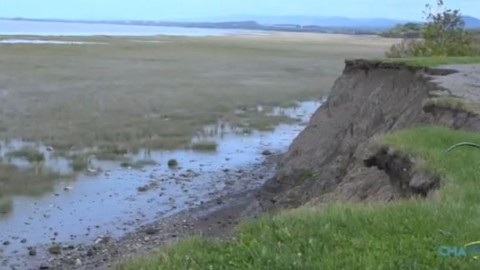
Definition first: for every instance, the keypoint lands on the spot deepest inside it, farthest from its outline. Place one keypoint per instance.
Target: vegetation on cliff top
(398, 235)
(443, 34)
(435, 61)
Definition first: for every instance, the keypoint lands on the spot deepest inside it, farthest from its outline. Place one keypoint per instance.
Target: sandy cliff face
(331, 158)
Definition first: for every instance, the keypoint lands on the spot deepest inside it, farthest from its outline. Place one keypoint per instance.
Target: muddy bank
(327, 161)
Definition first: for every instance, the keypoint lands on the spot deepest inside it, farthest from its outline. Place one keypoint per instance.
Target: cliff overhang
(369, 99)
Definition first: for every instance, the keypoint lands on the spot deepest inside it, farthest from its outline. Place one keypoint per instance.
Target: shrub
(443, 34)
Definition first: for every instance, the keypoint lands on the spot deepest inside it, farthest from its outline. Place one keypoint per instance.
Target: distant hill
(342, 22)
(280, 23)
(471, 22)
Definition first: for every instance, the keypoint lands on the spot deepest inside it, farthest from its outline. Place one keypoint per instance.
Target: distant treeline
(414, 30)
(241, 25)
(408, 30)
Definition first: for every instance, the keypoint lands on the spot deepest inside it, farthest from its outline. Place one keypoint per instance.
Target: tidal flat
(160, 92)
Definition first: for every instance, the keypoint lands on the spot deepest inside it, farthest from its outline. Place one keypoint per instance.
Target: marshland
(122, 121)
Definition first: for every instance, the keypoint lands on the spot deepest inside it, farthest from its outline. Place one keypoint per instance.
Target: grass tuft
(27, 153)
(454, 103)
(204, 146)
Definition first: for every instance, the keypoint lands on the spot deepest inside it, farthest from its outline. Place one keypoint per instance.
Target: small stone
(6, 243)
(44, 267)
(23, 241)
(151, 231)
(267, 153)
(55, 250)
(78, 263)
(32, 252)
(90, 253)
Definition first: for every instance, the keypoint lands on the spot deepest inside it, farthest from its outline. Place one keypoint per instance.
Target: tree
(443, 34)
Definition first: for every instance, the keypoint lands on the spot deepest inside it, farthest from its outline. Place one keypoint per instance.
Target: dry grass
(157, 95)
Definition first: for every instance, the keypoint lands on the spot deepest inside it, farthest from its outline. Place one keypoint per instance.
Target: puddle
(120, 200)
(40, 41)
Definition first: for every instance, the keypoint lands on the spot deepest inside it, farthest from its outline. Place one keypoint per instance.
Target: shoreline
(226, 181)
(215, 218)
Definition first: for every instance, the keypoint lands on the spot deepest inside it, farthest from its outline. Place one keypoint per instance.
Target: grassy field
(398, 235)
(157, 92)
(436, 61)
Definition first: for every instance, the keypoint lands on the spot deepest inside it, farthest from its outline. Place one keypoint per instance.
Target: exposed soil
(370, 98)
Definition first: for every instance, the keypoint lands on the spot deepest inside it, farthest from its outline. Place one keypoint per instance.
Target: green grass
(435, 61)
(397, 235)
(455, 104)
(27, 153)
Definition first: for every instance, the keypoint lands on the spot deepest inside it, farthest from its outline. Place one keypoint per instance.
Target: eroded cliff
(332, 157)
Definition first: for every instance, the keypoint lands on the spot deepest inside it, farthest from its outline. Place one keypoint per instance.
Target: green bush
(444, 34)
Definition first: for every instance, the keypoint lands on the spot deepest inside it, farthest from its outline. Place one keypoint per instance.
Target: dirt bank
(331, 158)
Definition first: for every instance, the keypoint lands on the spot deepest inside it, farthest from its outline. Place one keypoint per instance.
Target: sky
(205, 9)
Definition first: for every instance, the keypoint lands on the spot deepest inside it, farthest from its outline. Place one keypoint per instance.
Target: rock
(44, 267)
(102, 240)
(6, 243)
(142, 189)
(151, 231)
(267, 153)
(90, 252)
(55, 250)
(23, 241)
(32, 251)
(78, 263)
